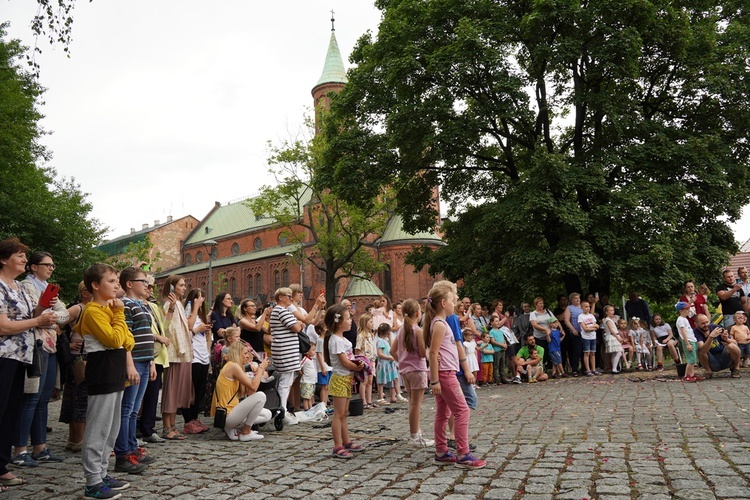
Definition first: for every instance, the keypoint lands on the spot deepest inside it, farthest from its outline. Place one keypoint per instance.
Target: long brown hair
(192, 295)
(440, 291)
(331, 322)
(410, 307)
(363, 325)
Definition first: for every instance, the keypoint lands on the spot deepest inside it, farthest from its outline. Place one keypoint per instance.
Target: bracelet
(434, 383)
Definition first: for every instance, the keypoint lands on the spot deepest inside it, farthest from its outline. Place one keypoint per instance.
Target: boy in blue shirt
(555, 339)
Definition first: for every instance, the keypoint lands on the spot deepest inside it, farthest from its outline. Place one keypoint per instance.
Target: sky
(164, 108)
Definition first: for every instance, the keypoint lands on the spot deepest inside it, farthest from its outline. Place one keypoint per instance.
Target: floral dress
(387, 371)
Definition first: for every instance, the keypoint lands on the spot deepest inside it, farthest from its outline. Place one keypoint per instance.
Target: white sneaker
(232, 434)
(251, 437)
(421, 442)
(516, 380)
(290, 419)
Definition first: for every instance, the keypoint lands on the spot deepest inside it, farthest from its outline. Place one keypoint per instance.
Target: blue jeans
(131, 403)
(470, 394)
(33, 417)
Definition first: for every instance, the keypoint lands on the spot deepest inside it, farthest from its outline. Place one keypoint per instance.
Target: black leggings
(200, 376)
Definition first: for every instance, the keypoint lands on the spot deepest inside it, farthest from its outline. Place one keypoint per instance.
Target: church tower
(333, 77)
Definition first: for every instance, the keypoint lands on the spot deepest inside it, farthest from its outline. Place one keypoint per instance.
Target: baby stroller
(273, 401)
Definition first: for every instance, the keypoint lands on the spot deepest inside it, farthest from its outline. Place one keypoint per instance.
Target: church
(248, 255)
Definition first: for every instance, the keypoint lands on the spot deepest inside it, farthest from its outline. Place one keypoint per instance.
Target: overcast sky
(165, 107)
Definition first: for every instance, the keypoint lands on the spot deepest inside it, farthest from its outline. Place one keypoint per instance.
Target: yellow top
(225, 389)
(108, 327)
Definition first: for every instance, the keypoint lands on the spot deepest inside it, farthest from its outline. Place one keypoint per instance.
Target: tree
(591, 144)
(333, 235)
(136, 253)
(47, 213)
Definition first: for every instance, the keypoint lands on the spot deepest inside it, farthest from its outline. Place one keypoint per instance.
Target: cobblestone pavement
(606, 437)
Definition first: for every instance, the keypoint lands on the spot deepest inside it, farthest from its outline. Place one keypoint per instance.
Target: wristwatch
(434, 383)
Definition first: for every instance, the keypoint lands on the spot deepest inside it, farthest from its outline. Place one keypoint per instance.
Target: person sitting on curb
(529, 359)
(717, 351)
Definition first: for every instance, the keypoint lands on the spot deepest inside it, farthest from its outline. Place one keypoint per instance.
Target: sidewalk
(630, 436)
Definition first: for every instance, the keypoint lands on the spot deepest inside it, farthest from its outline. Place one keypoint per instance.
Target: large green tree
(333, 235)
(46, 212)
(598, 145)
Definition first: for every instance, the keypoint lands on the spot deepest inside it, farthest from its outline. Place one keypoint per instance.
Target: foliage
(580, 145)
(47, 213)
(135, 254)
(332, 235)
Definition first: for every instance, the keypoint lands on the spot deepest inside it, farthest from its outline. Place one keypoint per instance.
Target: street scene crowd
(125, 350)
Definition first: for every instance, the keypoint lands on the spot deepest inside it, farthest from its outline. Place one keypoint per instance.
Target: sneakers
(190, 428)
(24, 460)
(115, 484)
(46, 456)
(447, 459)
(143, 457)
(452, 444)
(232, 434)
(129, 464)
(154, 438)
(516, 380)
(660, 367)
(253, 436)
(470, 462)
(100, 490)
(290, 419)
(421, 442)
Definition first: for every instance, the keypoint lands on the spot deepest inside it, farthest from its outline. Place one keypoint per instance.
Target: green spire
(333, 70)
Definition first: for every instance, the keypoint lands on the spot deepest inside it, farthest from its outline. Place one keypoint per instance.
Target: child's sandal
(351, 446)
(342, 452)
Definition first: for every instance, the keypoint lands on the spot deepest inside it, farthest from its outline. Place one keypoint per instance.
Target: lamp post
(210, 245)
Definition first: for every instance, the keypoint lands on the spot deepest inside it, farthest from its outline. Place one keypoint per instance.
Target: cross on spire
(333, 19)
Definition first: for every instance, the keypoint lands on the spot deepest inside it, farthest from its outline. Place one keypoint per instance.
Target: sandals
(736, 374)
(13, 481)
(350, 446)
(341, 452)
(172, 434)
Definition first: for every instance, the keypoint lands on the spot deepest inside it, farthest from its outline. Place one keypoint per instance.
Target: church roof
(394, 233)
(362, 287)
(333, 69)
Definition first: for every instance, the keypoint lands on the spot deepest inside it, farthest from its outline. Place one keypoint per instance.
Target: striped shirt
(285, 342)
(139, 324)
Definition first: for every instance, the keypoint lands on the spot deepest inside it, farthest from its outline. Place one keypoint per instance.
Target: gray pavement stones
(568, 439)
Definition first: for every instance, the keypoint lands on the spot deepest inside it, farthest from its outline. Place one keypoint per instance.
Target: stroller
(273, 401)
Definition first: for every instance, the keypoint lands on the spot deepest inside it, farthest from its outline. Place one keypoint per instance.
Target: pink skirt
(178, 389)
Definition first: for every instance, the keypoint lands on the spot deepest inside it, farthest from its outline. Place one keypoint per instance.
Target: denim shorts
(555, 357)
(589, 345)
(470, 394)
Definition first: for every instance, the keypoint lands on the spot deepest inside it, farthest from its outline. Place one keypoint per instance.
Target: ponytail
(440, 291)
(410, 307)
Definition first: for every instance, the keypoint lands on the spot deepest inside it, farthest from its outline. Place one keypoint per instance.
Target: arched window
(233, 287)
(235, 248)
(258, 244)
(188, 258)
(199, 256)
(250, 285)
(214, 252)
(258, 284)
(282, 238)
(276, 280)
(285, 277)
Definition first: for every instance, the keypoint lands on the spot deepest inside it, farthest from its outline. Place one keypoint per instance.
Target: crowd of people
(122, 348)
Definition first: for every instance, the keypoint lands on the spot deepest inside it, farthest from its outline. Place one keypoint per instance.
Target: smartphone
(171, 288)
(322, 291)
(50, 293)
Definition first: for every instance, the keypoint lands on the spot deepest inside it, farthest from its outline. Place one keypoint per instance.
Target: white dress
(471, 355)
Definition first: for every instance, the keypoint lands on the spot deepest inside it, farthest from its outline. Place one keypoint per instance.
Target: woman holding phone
(34, 412)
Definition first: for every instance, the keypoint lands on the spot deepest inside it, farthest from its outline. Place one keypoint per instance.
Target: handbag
(34, 370)
(220, 414)
(64, 356)
(78, 369)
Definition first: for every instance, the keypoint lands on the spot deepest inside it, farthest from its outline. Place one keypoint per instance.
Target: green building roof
(333, 69)
(361, 287)
(394, 233)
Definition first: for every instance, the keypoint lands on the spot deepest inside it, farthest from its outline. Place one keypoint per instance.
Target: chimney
(156, 222)
(169, 218)
(144, 226)
(132, 230)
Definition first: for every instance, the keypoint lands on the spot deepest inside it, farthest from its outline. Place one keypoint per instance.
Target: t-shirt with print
(542, 319)
(587, 319)
(336, 346)
(734, 304)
